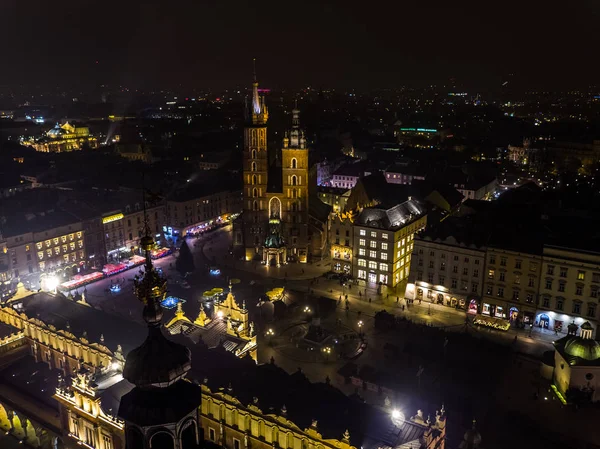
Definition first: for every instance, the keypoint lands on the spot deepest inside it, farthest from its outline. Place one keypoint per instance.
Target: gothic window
(253, 166)
(253, 179)
(253, 154)
(294, 180)
(294, 194)
(254, 192)
(294, 163)
(255, 205)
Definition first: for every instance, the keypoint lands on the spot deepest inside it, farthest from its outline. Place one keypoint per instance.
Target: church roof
(157, 362)
(579, 350)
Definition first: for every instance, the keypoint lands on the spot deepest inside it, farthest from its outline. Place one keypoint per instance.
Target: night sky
(369, 44)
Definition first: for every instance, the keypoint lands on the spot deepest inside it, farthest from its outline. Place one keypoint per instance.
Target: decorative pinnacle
(254, 68)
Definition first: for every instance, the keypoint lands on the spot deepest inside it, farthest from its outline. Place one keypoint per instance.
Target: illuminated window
(48, 242)
(80, 244)
(373, 254)
(581, 275)
(384, 236)
(64, 248)
(49, 252)
(81, 254)
(361, 242)
(384, 246)
(491, 274)
(40, 255)
(362, 263)
(71, 236)
(363, 232)
(38, 245)
(373, 244)
(79, 235)
(55, 240)
(42, 265)
(64, 238)
(361, 252)
(66, 257)
(383, 266)
(372, 265)
(73, 257)
(72, 246)
(57, 250)
(384, 256)
(27, 248)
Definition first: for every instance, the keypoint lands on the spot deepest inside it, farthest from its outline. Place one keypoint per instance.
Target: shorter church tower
(294, 160)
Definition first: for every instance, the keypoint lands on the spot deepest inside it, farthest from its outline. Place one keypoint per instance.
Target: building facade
(65, 137)
(274, 224)
(511, 285)
(446, 272)
(383, 243)
(341, 238)
(569, 288)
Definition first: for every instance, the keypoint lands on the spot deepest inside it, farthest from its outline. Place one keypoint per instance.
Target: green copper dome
(584, 348)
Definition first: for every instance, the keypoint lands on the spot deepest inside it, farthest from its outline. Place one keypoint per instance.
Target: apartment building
(383, 243)
(511, 285)
(448, 272)
(569, 288)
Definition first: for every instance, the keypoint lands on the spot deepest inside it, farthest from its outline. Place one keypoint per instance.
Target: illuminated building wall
(447, 273)
(20, 255)
(60, 248)
(187, 213)
(228, 423)
(511, 282)
(383, 255)
(60, 349)
(569, 288)
(62, 138)
(341, 238)
(83, 419)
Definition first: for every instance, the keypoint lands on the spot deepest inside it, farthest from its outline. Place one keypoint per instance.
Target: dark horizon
(352, 44)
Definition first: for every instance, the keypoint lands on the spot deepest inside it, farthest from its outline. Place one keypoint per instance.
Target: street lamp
(307, 310)
(327, 351)
(360, 325)
(270, 334)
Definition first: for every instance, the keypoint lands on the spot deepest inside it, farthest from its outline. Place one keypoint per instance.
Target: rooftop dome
(584, 348)
(158, 362)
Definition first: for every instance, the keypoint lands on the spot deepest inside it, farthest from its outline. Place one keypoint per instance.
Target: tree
(185, 260)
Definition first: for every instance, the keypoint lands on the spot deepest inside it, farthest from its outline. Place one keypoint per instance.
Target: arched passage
(162, 440)
(188, 436)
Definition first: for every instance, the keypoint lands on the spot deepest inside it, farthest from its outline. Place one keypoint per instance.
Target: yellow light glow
(111, 218)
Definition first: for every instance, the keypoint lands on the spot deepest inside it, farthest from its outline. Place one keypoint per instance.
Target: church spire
(258, 109)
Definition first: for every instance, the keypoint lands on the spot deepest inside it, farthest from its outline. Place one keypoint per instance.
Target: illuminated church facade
(274, 227)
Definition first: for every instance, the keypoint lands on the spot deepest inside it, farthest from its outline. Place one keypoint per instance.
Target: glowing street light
(270, 333)
(52, 283)
(307, 310)
(360, 325)
(327, 351)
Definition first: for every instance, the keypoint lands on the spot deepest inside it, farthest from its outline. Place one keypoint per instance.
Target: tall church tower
(294, 159)
(256, 167)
